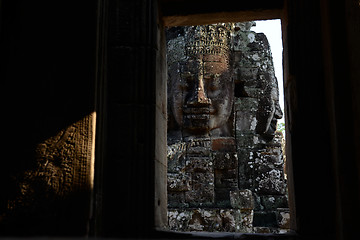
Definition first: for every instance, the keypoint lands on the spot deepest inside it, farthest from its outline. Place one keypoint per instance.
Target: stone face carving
(255, 77)
(202, 159)
(201, 85)
(225, 166)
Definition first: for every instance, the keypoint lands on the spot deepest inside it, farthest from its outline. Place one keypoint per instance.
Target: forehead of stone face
(206, 64)
(215, 64)
(191, 65)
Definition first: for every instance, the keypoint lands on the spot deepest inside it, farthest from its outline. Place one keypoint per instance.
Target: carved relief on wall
(61, 178)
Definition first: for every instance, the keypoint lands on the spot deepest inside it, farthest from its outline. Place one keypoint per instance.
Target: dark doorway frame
(131, 37)
(170, 18)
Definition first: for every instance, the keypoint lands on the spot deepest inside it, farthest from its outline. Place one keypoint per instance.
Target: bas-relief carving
(61, 173)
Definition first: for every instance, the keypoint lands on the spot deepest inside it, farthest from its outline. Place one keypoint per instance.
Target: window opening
(225, 155)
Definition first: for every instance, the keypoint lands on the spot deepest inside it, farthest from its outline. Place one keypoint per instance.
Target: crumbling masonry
(225, 161)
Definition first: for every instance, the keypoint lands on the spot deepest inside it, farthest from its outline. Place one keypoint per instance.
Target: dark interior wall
(48, 83)
(308, 122)
(322, 115)
(188, 7)
(126, 191)
(48, 50)
(201, 12)
(343, 51)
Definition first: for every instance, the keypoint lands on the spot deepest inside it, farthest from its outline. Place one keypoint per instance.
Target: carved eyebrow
(186, 74)
(211, 75)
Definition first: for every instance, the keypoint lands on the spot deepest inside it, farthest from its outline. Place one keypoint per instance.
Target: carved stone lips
(198, 111)
(197, 114)
(203, 117)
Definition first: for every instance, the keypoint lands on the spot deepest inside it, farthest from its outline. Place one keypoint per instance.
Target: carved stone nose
(199, 97)
(278, 114)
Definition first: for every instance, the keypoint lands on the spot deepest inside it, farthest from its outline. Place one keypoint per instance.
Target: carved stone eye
(183, 85)
(212, 82)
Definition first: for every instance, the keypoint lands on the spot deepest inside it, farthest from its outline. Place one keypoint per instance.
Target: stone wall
(231, 181)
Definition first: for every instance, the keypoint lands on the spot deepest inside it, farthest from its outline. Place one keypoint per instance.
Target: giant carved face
(201, 92)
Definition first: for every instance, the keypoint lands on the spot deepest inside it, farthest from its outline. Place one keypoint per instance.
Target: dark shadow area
(193, 7)
(48, 84)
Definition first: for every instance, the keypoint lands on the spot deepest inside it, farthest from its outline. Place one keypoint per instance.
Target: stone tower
(224, 161)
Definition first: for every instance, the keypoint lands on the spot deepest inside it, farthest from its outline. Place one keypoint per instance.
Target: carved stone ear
(239, 90)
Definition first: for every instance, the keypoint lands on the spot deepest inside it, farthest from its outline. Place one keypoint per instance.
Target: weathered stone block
(198, 151)
(245, 155)
(248, 73)
(211, 220)
(199, 147)
(246, 168)
(265, 230)
(271, 182)
(199, 164)
(199, 178)
(200, 198)
(245, 122)
(272, 202)
(253, 92)
(226, 144)
(197, 221)
(246, 221)
(257, 203)
(266, 163)
(242, 199)
(246, 140)
(228, 183)
(246, 104)
(222, 197)
(225, 160)
(178, 220)
(199, 142)
(231, 219)
(177, 182)
(177, 200)
(176, 157)
(283, 218)
(275, 160)
(226, 178)
(265, 219)
(202, 191)
(238, 55)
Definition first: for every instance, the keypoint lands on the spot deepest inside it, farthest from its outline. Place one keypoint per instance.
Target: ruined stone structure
(261, 161)
(225, 163)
